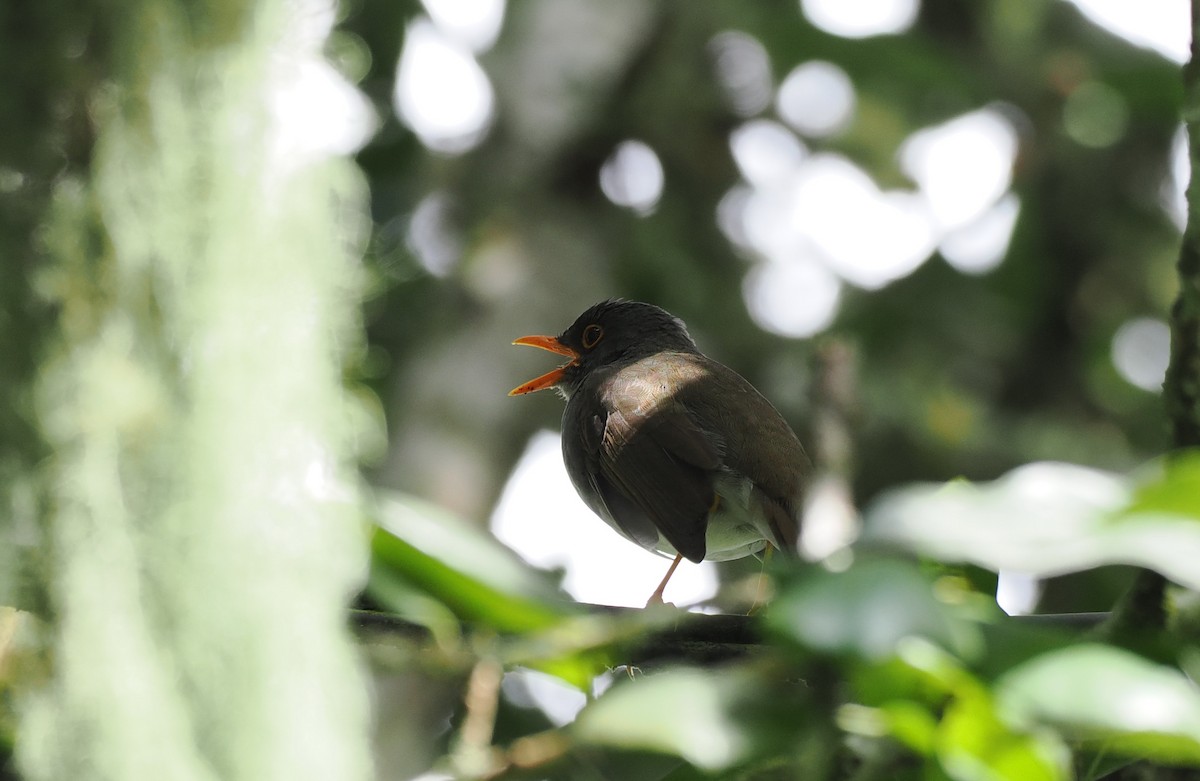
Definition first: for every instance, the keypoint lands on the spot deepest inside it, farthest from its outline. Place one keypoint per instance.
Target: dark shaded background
(960, 375)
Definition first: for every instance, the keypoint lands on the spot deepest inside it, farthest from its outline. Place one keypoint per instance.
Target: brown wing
(660, 464)
(758, 441)
(583, 435)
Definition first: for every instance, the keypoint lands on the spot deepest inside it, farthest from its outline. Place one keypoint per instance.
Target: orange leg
(657, 597)
(760, 590)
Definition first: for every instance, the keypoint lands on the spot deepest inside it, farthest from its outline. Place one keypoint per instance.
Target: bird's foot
(657, 597)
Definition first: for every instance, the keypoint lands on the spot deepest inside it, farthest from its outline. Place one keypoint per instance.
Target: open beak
(550, 378)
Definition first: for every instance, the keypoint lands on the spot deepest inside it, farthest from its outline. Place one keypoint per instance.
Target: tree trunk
(203, 531)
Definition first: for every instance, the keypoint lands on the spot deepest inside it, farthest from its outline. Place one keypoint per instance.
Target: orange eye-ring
(592, 335)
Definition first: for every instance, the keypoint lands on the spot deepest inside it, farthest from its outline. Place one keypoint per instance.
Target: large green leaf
(459, 565)
(685, 712)
(866, 610)
(714, 719)
(1113, 697)
(975, 744)
(1051, 518)
(927, 700)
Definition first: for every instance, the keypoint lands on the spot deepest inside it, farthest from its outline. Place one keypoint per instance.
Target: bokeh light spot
(868, 237)
(962, 166)
(731, 215)
(1163, 25)
(319, 114)
(817, 99)
(431, 236)
(472, 23)
(1141, 350)
(633, 177)
(1174, 188)
(978, 247)
(743, 71)
(441, 92)
(861, 18)
(797, 297)
(1095, 115)
(765, 151)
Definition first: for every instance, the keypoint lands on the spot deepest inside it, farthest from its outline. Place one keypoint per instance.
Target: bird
(675, 451)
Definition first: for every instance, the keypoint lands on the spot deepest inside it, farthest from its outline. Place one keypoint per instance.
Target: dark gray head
(618, 331)
(613, 332)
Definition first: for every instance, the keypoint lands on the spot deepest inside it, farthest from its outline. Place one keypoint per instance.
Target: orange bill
(550, 378)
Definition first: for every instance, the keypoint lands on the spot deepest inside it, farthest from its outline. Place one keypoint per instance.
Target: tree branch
(695, 638)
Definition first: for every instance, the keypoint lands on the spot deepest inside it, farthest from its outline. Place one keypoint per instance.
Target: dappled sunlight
(867, 237)
(822, 208)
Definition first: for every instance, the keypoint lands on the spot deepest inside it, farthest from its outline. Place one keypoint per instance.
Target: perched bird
(677, 452)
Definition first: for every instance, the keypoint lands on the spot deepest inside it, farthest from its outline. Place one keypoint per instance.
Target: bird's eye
(592, 335)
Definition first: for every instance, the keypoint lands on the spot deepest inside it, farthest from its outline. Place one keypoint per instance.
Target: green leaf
(866, 610)
(1173, 488)
(1014, 641)
(685, 712)
(414, 605)
(951, 717)
(1046, 519)
(974, 743)
(460, 565)
(1105, 694)
(912, 724)
(714, 719)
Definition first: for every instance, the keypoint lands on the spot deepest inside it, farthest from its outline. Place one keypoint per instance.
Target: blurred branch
(831, 522)
(694, 638)
(472, 755)
(1143, 607)
(836, 406)
(1181, 388)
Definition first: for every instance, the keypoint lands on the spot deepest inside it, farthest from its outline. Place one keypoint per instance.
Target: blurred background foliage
(964, 374)
(972, 361)
(681, 153)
